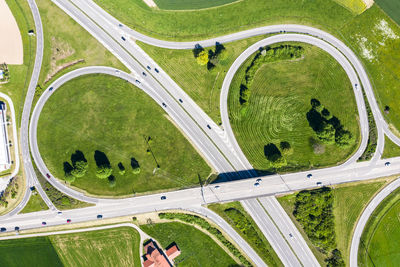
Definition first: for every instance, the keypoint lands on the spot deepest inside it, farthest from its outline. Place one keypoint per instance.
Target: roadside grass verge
(112, 123)
(68, 46)
(390, 150)
(277, 110)
(379, 244)
(242, 222)
(35, 203)
(197, 248)
(191, 4)
(201, 84)
(95, 248)
(348, 202)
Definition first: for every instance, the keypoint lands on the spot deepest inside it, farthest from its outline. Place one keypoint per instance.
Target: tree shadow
(121, 166)
(67, 168)
(272, 152)
(315, 120)
(197, 49)
(77, 156)
(101, 159)
(335, 123)
(134, 163)
(218, 48)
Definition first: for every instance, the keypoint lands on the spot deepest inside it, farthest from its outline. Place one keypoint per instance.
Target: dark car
(44, 223)
(208, 126)
(99, 216)
(156, 70)
(180, 100)
(51, 88)
(48, 175)
(148, 67)
(164, 105)
(2, 229)
(120, 25)
(163, 198)
(387, 163)
(144, 74)
(137, 81)
(16, 228)
(68, 220)
(123, 38)
(309, 175)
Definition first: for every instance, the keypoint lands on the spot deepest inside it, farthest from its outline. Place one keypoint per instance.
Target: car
(208, 126)
(148, 67)
(164, 105)
(59, 212)
(217, 187)
(259, 180)
(180, 100)
(257, 184)
(156, 70)
(144, 74)
(120, 25)
(51, 88)
(44, 223)
(99, 216)
(319, 183)
(117, 71)
(68, 220)
(137, 81)
(387, 163)
(3, 229)
(48, 175)
(32, 188)
(290, 235)
(309, 175)
(163, 197)
(123, 38)
(16, 228)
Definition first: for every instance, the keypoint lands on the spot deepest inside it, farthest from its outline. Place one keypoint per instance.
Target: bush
(194, 219)
(103, 172)
(80, 168)
(335, 259)
(202, 58)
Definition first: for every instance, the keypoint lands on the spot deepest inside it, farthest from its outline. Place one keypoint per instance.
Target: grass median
(110, 123)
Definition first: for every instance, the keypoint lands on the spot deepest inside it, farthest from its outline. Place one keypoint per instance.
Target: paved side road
(373, 204)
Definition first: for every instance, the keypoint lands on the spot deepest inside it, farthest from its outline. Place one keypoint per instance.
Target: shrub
(103, 172)
(80, 168)
(202, 58)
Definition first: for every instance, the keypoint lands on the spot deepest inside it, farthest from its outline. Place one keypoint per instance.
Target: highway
(218, 146)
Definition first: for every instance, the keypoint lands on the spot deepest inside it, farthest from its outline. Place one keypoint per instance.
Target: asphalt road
(217, 147)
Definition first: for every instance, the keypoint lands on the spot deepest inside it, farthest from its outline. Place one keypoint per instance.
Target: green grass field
(253, 235)
(35, 203)
(349, 201)
(280, 99)
(391, 7)
(113, 247)
(391, 149)
(202, 85)
(189, 5)
(379, 244)
(197, 248)
(64, 45)
(109, 115)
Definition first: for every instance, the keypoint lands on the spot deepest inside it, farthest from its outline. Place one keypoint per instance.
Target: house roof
(173, 252)
(154, 256)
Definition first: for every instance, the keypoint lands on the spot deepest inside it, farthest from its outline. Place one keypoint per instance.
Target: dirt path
(150, 3)
(11, 49)
(368, 3)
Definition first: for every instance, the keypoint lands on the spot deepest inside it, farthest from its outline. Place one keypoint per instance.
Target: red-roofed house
(155, 257)
(173, 252)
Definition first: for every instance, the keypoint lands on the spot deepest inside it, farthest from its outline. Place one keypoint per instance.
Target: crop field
(355, 6)
(379, 244)
(279, 102)
(202, 85)
(391, 7)
(191, 4)
(197, 248)
(118, 246)
(349, 201)
(112, 123)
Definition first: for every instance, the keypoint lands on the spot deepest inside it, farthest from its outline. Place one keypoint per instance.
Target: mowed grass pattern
(190, 4)
(197, 248)
(112, 247)
(280, 98)
(105, 113)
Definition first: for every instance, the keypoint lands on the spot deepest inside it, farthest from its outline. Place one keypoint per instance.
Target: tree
(335, 260)
(136, 170)
(111, 181)
(103, 172)
(80, 168)
(286, 148)
(327, 133)
(279, 162)
(121, 168)
(202, 58)
(343, 138)
(135, 166)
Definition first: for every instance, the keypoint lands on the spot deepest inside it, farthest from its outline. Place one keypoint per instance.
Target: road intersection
(217, 145)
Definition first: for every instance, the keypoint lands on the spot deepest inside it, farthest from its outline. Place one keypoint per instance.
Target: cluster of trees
(266, 55)
(104, 170)
(373, 134)
(211, 58)
(194, 219)
(276, 155)
(314, 211)
(328, 128)
(6, 73)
